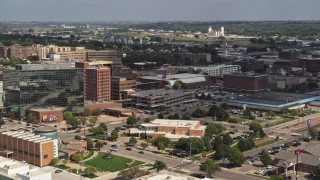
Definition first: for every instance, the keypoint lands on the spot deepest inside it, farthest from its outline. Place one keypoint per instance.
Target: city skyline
(157, 10)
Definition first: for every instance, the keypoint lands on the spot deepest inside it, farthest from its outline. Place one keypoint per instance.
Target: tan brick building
(47, 115)
(172, 129)
(119, 85)
(25, 146)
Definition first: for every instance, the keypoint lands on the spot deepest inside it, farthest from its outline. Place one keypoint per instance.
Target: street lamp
(297, 152)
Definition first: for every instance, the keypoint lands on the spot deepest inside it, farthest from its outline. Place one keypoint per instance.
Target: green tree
(147, 120)
(184, 86)
(87, 112)
(55, 161)
(131, 173)
(82, 121)
(265, 158)
(271, 114)
(222, 151)
(176, 116)
(77, 137)
(207, 140)
(64, 162)
(243, 145)
(161, 108)
(93, 120)
(186, 116)
(133, 140)
(199, 113)
(182, 144)
(114, 135)
(160, 116)
(224, 106)
(227, 139)
(144, 145)
(164, 140)
(284, 111)
(96, 130)
(197, 145)
(177, 85)
(68, 115)
(210, 167)
(247, 113)
(132, 120)
(96, 112)
(217, 142)
(159, 166)
(213, 129)
(31, 118)
(236, 157)
(294, 113)
(161, 146)
(317, 174)
(203, 96)
(255, 127)
(78, 157)
(287, 145)
(73, 122)
(104, 127)
(209, 97)
(2, 122)
(99, 145)
(313, 133)
(90, 171)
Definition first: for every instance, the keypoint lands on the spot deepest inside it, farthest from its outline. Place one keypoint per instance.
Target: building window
(45, 156)
(37, 156)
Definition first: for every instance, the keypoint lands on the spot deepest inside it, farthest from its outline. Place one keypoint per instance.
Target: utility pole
(190, 147)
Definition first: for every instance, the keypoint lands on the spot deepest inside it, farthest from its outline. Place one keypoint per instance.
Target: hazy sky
(158, 10)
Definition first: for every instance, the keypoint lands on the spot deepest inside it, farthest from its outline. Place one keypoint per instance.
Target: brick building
(47, 115)
(18, 52)
(172, 129)
(257, 66)
(24, 146)
(119, 85)
(246, 82)
(310, 65)
(97, 80)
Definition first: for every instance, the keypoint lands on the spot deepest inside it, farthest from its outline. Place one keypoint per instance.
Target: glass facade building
(44, 85)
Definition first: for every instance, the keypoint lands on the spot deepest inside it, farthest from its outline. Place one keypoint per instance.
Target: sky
(158, 10)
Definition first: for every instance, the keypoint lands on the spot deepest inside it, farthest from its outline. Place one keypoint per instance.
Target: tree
(82, 121)
(196, 36)
(271, 114)
(177, 85)
(236, 157)
(93, 120)
(67, 115)
(209, 97)
(217, 142)
(176, 116)
(96, 130)
(64, 162)
(284, 111)
(2, 122)
(243, 145)
(114, 135)
(294, 113)
(78, 157)
(255, 127)
(104, 127)
(224, 106)
(87, 112)
(184, 86)
(55, 161)
(147, 120)
(160, 116)
(317, 174)
(90, 143)
(73, 122)
(207, 140)
(99, 145)
(227, 140)
(186, 116)
(90, 171)
(144, 145)
(133, 140)
(213, 129)
(197, 145)
(210, 167)
(161, 108)
(131, 173)
(182, 144)
(161, 146)
(96, 112)
(164, 140)
(313, 133)
(222, 151)
(132, 120)
(199, 113)
(203, 96)
(159, 166)
(77, 137)
(31, 118)
(265, 158)
(262, 134)
(247, 113)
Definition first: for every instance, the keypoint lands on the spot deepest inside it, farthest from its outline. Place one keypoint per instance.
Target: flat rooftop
(275, 99)
(176, 123)
(159, 92)
(26, 135)
(173, 76)
(33, 173)
(47, 109)
(30, 67)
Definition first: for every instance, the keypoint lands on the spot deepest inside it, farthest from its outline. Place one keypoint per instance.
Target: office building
(172, 129)
(97, 80)
(105, 55)
(18, 52)
(119, 85)
(216, 71)
(250, 65)
(246, 82)
(284, 82)
(311, 65)
(214, 33)
(153, 99)
(44, 85)
(25, 146)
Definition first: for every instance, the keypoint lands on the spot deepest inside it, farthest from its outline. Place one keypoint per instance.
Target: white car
(149, 148)
(269, 167)
(259, 171)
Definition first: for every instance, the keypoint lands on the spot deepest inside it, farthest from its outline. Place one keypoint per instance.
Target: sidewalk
(95, 153)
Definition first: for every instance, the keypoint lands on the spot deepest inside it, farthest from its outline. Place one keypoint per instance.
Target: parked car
(114, 148)
(259, 171)
(141, 152)
(269, 167)
(58, 171)
(129, 149)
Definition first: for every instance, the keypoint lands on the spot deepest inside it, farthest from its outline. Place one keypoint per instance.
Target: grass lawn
(235, 120)
(265, 143)
(97, 136)
(116, 163)
(61, 166)
(284, 120)
(89, 155)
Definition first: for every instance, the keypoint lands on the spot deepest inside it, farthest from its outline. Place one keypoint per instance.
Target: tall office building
(119, 85)
(44, 85)
(97, 76)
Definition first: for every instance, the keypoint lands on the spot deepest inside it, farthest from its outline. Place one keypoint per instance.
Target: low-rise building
(216, 71)
(195, 57)
(47, 115)
(172, 129)
(153, 99)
